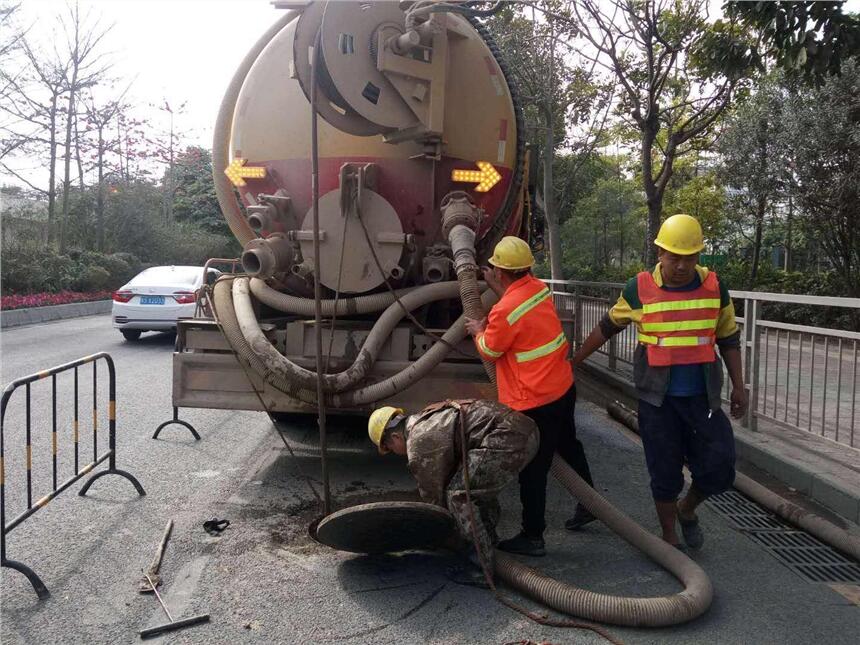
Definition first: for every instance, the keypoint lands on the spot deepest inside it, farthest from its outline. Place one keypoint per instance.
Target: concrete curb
(758, 449)
(19, 317)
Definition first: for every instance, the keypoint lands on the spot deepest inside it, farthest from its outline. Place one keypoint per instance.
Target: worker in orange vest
(682, 312)
(523, 336)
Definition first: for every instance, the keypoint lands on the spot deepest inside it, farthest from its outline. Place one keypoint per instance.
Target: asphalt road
(264, 580)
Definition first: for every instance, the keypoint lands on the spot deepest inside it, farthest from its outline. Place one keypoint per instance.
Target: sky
(176, 50)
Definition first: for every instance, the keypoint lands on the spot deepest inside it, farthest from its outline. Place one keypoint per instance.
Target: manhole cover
(384, 527)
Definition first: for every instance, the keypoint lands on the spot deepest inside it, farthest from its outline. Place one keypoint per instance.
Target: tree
(194, 196)
(85, 69)
(823, 142)
(32, 87)
(661, 54)
(809, 38)
(558, 92)
(754, 161)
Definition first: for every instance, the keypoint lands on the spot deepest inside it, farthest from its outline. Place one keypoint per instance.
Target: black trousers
(557, 434)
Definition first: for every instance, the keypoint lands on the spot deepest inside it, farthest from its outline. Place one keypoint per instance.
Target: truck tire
(131, 334)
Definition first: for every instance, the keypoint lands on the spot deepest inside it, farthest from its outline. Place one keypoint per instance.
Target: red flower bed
(20, 301)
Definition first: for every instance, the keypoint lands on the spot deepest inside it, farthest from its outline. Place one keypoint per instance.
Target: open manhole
(385, 527)
(809, 557)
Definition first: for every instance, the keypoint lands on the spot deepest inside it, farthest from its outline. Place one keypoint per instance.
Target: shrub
(46, 299)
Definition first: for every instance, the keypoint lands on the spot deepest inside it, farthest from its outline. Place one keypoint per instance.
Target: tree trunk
(52, 172)
(761, 206)
(655, 207)
(78, 156)
(100, 196)
(67, 169)
(551, 216)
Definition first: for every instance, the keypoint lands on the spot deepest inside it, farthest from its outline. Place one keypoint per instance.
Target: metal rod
(787, 382)
(29, 453)
(76, 423)
(799, 373)
(811, 379)
(54, 427)
(95, 410)
(824, 395)
(6, 394)
(41, 503)
(839, 391)
(158, 595)
(776, 374)
(111, 413)
(853, 394)
(315, 189)
(765, 370)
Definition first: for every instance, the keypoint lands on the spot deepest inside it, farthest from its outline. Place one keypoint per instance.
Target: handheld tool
(173, 625)
(151, 579)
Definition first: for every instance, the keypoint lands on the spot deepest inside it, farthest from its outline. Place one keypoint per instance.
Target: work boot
(692, 532)
(580, 518)
(522, 544)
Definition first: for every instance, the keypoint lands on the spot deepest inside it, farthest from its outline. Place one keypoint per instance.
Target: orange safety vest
(679, 327)
(525, 340)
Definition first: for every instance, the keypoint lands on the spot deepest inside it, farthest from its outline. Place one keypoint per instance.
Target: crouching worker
(499, 444)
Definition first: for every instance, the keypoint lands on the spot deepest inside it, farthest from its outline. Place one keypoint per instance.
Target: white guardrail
(798, 376)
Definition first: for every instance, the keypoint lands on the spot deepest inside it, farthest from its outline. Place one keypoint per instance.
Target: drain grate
(799, 551)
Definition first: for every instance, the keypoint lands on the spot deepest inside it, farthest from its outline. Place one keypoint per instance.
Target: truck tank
(421, 170)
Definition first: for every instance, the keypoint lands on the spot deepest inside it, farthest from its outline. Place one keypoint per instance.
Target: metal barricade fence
(109, 455)
(798, 376)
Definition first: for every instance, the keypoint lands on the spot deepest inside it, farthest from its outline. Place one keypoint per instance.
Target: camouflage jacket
(433, 440)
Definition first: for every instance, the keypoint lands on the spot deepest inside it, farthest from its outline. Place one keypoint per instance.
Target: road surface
(264, 580)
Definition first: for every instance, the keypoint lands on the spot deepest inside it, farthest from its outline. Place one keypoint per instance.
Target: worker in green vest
(682, 313)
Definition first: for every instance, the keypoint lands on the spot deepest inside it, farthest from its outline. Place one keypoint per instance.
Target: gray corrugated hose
(642, 612)
(367, 355)
(305, 306)
(651, 612)
(819, 527)
(225, 314)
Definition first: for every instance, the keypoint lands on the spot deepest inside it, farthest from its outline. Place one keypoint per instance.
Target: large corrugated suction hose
(648, 612)
(225, 314)
(681, 607)
(341, 307)
(367, 355)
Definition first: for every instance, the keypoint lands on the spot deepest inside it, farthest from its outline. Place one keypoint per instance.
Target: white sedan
(156, 298)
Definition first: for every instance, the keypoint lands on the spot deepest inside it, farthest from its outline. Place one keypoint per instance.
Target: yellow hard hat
(512, 253)
(379, 420)
(681, 234)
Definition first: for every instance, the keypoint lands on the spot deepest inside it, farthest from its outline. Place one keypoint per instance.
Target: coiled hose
(225, 315)
(305, 306)
(836, 537)
(651, 612)
(367, 355)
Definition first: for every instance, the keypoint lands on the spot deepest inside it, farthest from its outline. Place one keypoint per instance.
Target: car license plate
(152, 300)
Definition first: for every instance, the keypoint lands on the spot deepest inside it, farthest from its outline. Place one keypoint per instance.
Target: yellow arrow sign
(486, 177)
(237, 171)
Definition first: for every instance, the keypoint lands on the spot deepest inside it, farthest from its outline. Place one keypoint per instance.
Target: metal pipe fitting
(263, 258)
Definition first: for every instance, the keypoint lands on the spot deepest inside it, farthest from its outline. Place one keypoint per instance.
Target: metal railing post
(613, 342)
(752, 345)
(577, 316)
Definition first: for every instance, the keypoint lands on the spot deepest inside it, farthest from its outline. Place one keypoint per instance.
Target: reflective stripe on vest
(676, 341)
(544, 350)
(680, 305)
(487, 350)
(680, 325)
(527, 306)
